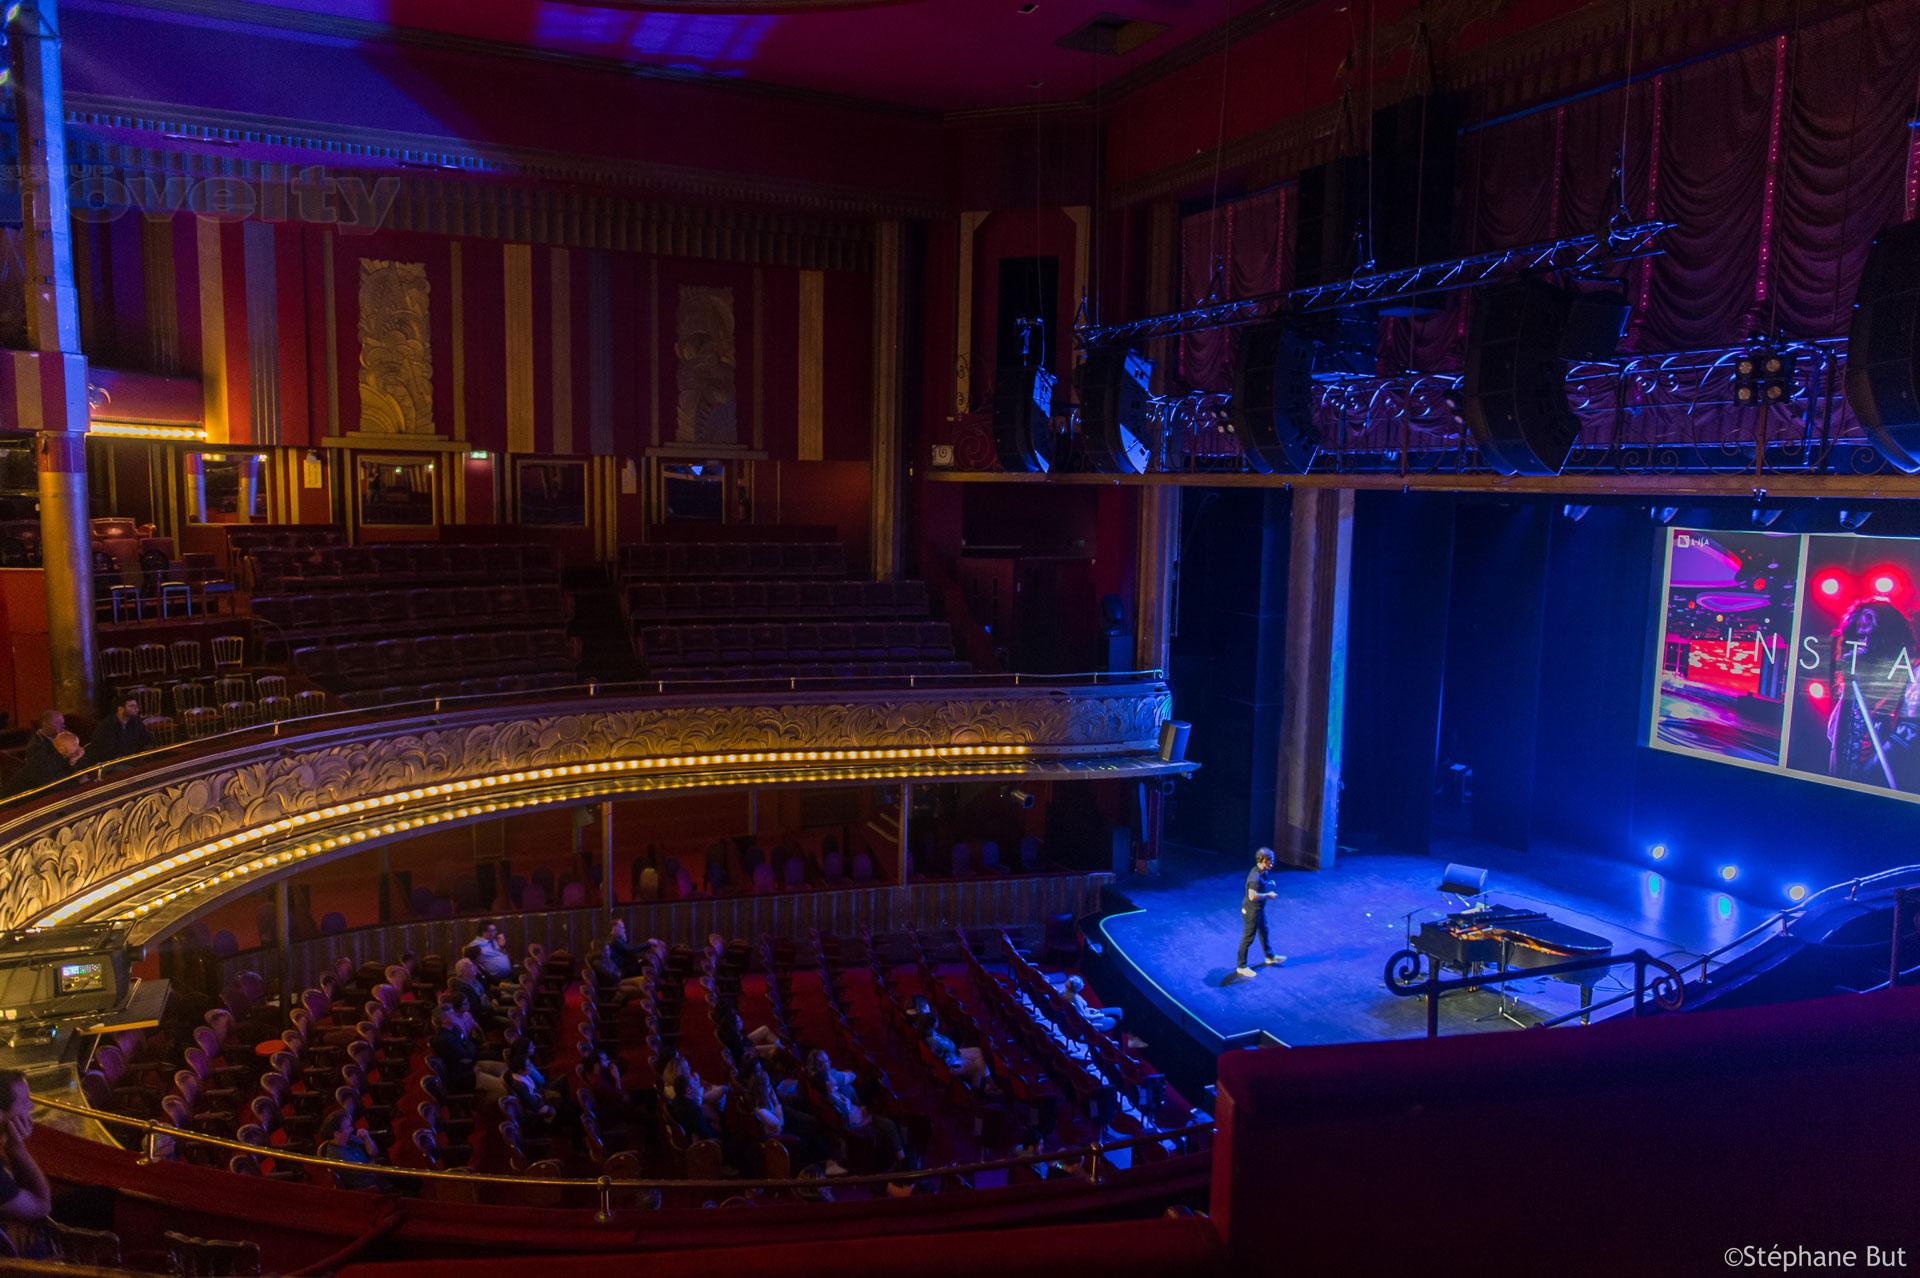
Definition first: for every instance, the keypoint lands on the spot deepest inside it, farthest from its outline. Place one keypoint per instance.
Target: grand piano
(1503, 937)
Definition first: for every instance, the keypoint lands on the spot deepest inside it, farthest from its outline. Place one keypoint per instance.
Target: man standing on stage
(1253, 913)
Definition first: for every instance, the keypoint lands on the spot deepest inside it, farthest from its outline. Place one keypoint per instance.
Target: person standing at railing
(25, 1197)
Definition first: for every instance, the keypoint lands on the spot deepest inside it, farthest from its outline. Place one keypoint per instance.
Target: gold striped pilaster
(332, 323)
(813, 360)
(883, 510)
(457, 298)
(161, 295)
(213, 330)
(560, 301)
(519, 353)
(653, 355)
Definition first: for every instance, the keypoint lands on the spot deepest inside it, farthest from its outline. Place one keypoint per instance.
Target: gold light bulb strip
(134, 430)
(334, 843)
(383, 803)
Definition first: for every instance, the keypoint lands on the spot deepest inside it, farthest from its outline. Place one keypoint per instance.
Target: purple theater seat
(862, 868)
(762, 880)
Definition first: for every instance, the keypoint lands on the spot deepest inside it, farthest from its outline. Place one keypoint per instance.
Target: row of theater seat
(438, 659)
(399, 564)
(306, 618)
(702, 559)
(286, 537)
(796, 643)
(397, 694)
(775, 600)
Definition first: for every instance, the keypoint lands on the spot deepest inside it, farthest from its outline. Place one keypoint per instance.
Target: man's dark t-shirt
(1258, 880)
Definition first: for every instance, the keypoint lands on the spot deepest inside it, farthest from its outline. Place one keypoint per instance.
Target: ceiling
(935, 55)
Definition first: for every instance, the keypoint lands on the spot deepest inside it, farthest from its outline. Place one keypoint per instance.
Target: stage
(1338, 927)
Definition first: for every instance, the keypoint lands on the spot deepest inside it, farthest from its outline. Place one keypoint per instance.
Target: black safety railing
(1093, 1162)
(1666, 989)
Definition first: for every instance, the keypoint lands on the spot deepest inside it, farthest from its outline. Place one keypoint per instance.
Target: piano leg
(1586, 1004)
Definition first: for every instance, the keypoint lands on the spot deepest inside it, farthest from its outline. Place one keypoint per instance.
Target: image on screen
(1856, 716)
(1726, 646)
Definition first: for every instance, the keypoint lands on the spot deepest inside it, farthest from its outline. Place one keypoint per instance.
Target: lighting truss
(1584, 253)
(1666, 410)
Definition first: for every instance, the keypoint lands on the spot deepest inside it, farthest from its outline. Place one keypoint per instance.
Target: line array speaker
(1883, 346)
(1516, 380)
(1116, 411)
(1272, 407)
(1023, 418)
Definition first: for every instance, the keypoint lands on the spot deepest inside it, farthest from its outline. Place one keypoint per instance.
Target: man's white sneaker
(1245, 972)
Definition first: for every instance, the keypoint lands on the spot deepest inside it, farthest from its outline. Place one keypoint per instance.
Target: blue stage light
(1796, 891)
(1654, 884)
(1729, 872)
(1723, 906)
(1658, 851)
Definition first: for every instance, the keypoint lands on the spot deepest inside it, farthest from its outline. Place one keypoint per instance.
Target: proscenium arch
(155, 849)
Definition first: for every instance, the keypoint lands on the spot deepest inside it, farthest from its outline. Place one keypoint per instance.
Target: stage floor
(1338, 927)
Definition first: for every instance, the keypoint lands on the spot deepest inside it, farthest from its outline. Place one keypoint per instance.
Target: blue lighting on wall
(1655, 884)
(703, 42)
(1723, 906)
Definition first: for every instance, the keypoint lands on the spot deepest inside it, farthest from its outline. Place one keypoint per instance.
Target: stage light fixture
(1022, 799)
(1817, 690)
(1763, 376)
(1658, 851)
(1765, 516)
(1830, 586)
(1575, 513)
(1854, 520)
(1662, 514)
(1729, 872)
(1796, 892)
(1883, 584)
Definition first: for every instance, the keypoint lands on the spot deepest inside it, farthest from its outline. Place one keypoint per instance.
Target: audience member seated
(122, 733)
(346, 1143)
(611, 1101)
(964, 1061)
(52, 752)
(624, 957)
(24, 1194)
(690, 1103)
(835, 1087)
(762, 1043)
(1104, 1019)
(458, 1052)
(493, 960)
(467, 985)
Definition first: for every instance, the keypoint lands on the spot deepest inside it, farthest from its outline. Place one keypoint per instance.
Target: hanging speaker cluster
(1119, 432)
(1883, 346)
(1272, 406)
(1023, 418)
(1514, 396)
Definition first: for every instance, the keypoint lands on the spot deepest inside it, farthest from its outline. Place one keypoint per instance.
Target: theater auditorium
(956, 637)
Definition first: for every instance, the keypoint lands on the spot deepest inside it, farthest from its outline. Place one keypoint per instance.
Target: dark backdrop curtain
(1253, 240)
(1843, 152)
(1590, 147)
(1513, 201)
(1713, 166)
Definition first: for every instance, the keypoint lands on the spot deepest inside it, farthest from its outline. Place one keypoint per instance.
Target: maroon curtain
(1843, 152)
(1713, 165)
(1203, 244)
(1513, 183)
(1252, 240)
(1590, 147)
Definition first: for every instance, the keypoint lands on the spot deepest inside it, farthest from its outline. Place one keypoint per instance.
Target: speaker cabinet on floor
(1116, 411)
(1883, 346)
(1023, 418)
(1516, 381)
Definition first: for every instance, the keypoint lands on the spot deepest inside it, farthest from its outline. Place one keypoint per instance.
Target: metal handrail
(151, 1129)
(1780, 919)
(299, 724)
(1668, 987)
